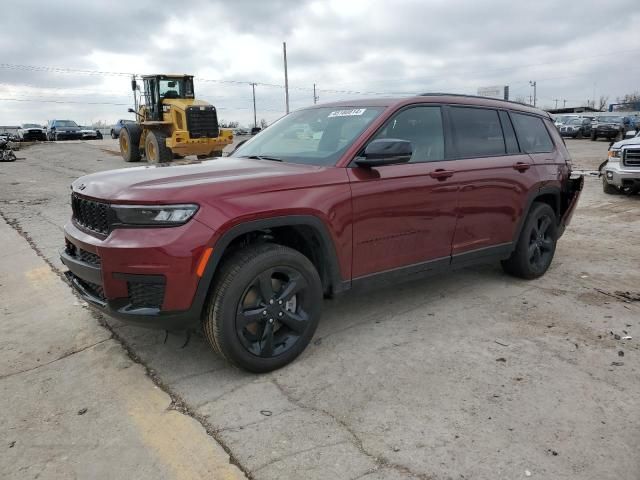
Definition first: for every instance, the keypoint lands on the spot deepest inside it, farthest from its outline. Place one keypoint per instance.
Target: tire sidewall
(228, 300)
(539, 210)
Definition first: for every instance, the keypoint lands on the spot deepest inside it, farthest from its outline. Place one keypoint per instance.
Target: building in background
(496, 91)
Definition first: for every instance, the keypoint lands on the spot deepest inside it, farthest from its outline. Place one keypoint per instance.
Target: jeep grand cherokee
(327, 199)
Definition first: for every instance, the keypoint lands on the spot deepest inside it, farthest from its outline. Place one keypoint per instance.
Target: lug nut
(271, 301)
(264, 312)
(271, 320)
(280, 314)
(280, 302)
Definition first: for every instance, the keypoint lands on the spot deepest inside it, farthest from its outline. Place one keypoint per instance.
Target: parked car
(245, 247)
(115, 130)
(241, 131)
(622, 168)
(31, 131)
(578, 127)
(89, 133)
(607, 126)
(63, 130)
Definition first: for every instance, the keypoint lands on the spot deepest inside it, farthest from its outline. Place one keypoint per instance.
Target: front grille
(90, 214)
(202, 121)
(145, 295)
(631, 157)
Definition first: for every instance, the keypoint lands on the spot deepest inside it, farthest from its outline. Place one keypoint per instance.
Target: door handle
(521, 166)
(441, 174)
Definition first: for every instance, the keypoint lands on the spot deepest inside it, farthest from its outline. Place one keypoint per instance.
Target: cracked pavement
(468, 375)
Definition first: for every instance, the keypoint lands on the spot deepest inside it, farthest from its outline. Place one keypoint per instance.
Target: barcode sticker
(347, 113)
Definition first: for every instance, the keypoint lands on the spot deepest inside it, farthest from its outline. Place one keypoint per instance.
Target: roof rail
(428, 94)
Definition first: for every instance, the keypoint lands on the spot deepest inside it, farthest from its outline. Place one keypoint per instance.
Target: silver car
(621, 172)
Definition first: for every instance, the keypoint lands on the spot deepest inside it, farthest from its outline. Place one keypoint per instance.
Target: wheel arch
(550, 195)
(307, 234)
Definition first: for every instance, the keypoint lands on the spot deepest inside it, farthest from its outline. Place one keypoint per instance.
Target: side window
(477, 132)
(510, 140)
(422, 126)
(532, 135)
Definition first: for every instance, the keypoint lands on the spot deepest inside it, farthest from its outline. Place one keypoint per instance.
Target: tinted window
(477, 132)
(532, 135)
(422, 126)
(509, 135)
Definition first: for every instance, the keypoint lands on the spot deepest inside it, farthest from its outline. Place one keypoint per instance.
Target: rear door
(495, 178)
(404, 215)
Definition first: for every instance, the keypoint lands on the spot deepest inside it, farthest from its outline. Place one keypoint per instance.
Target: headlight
(150, 215)
(614, 153)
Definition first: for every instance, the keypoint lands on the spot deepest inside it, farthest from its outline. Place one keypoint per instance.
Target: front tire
(155, 147)
(608, 188)
(265, 307)
(130, 143)
(594, 137)
(536, 245)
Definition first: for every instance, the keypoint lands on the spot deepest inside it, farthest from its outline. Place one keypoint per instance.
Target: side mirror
(131, 110)
(385, 151)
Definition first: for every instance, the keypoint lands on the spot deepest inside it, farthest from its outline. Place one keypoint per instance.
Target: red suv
(328, 198)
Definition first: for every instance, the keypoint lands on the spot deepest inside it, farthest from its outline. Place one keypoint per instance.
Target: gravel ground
(473, 375)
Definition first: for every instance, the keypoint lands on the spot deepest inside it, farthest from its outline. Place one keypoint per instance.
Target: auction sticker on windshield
(347, 113)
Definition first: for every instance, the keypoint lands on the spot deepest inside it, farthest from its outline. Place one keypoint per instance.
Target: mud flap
(569, 201)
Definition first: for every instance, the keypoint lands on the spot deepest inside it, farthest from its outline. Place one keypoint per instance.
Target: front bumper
(30, 136)
(621, 175)
(569, 133)
(141, 276)
(68, 136)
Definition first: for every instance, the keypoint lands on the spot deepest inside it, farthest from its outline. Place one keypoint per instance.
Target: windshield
(562, 119)
(176, 88)
(30, 125)
(316, 136)
(66, 123)
(575, 121)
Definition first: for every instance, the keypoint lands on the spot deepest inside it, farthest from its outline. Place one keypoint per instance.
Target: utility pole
(556, 100)
(286, 76)
(564, 103)
(255, 117)
(315, 97)
(533, 83)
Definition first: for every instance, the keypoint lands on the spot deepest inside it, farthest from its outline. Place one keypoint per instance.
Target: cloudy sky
(73, 59)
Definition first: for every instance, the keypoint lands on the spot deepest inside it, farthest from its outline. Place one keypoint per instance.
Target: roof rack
(429, 94)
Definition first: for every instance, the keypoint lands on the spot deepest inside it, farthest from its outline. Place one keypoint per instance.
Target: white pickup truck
(621, 171)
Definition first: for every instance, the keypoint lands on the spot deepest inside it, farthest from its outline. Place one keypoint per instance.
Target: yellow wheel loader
(171, 123)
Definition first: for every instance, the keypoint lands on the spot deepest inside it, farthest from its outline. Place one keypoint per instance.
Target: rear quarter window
(532, 134)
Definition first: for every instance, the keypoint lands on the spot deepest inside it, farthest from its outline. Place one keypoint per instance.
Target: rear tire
(608, 188)
(155, 147)
(594, 137)
(536, 245)
(579, 134)
(264, 308)
(130, 142)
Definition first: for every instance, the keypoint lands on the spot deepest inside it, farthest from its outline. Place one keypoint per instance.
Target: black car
(607, 126)
(576, 128)
(31, 131)
(63, 130)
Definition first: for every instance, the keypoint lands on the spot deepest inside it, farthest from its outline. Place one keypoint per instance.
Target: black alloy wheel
(264, 307)
(536, 245)
(541, 243)
(271, 314)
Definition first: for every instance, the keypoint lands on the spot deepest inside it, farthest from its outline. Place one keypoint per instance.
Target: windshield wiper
(264, 157)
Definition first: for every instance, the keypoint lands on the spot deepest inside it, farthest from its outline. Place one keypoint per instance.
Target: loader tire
(129, 140)
(155, 147)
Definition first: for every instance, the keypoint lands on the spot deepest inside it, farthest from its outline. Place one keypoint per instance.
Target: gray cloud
(373, 46)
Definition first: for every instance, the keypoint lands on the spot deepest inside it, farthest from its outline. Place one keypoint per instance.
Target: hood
(628, 141)
(198, 181)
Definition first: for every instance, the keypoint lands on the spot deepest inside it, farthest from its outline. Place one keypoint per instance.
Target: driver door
(405, 215)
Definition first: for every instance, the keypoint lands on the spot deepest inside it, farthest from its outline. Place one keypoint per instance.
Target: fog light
(609, 175)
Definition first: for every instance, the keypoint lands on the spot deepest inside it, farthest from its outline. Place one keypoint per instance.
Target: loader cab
(160, 87)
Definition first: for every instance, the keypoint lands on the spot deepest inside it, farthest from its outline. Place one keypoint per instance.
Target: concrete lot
(472, 375)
